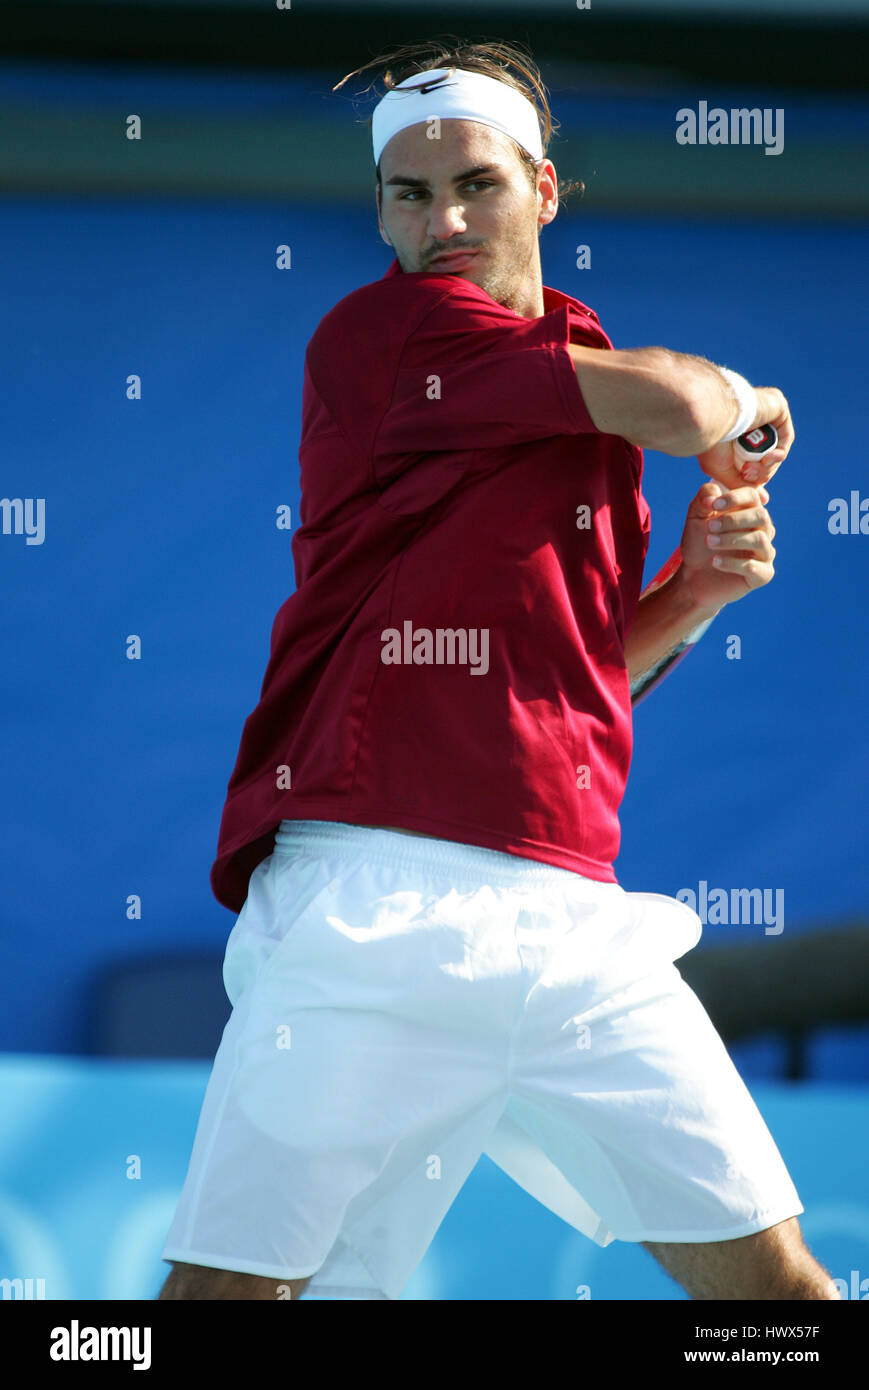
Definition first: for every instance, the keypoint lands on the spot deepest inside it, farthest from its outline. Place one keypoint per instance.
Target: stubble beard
(506, 281)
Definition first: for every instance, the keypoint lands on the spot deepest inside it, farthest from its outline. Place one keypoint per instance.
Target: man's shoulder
(395, 304)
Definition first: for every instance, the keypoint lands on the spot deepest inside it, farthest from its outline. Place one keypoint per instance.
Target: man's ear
(548, 212)
(379, 218)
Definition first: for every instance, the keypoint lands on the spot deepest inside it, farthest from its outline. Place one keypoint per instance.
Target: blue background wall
(160, 521)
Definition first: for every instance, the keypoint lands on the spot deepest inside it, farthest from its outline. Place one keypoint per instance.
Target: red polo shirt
(468, 563)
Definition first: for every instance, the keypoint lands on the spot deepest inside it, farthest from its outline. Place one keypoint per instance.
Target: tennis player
(433, 957)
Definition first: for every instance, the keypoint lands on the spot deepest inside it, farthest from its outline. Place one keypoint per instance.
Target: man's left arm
(725, 552)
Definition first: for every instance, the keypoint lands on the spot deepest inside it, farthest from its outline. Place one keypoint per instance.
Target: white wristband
(747, 399)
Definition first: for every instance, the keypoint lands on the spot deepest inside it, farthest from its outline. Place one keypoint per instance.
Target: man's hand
(719, 461)
(741, 557)
(699, 579)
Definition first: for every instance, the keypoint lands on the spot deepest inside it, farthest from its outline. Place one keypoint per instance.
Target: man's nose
(446, 218)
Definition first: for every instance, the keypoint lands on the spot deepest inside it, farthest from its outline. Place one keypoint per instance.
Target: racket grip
(755, 444)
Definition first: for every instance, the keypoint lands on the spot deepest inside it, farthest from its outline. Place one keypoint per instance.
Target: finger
(734, 497)
(743, 519)
(762, 470)
(703, 504)
(754, 572)
(786, 433)
(776, 411)
(757, 543)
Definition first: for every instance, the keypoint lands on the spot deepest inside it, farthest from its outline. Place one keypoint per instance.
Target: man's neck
(527, 301)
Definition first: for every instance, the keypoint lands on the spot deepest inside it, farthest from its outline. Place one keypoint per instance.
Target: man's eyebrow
(410, 181)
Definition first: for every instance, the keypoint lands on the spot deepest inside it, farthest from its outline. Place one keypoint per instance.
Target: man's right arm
(658, 399)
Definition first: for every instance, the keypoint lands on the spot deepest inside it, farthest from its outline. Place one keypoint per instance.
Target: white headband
(467, 96)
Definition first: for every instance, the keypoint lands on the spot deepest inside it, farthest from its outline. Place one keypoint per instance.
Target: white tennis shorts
(402, 1005)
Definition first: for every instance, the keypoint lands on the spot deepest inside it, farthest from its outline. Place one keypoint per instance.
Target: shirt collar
(552, 299)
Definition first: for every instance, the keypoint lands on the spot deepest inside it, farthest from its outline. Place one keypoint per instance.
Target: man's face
(467, 191)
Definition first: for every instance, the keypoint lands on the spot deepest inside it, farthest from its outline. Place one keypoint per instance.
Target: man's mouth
(452, 260)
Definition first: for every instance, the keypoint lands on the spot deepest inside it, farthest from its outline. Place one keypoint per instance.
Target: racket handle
(755, 444)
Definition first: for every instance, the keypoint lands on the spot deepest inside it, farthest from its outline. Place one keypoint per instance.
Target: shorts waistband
(473, 862)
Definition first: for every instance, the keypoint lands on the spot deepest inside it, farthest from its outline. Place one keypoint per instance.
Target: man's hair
(506, 62)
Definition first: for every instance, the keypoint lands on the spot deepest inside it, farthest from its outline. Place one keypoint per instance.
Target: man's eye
(475, 183)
